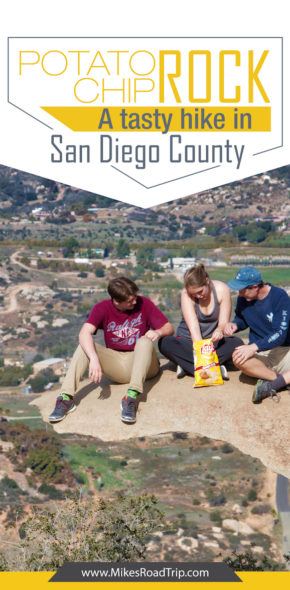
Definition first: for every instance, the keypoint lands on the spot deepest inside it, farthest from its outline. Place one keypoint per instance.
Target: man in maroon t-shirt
(131, 324)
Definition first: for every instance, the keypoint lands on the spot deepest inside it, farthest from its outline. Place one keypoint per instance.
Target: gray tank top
(207, 323)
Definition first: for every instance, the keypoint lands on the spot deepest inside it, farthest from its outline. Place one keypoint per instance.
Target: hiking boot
(262, 390)
(128, 410)
(62, 408)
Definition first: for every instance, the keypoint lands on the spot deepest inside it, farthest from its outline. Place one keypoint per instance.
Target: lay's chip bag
(207, 369)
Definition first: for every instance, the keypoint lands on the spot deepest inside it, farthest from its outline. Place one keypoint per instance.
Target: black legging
(180, 350)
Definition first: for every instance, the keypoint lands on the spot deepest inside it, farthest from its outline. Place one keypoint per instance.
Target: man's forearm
(166, 330)
(87, 343)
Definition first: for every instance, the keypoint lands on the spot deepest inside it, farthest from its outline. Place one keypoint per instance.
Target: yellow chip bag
(207, 369)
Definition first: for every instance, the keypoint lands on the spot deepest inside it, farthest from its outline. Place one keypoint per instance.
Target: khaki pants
(121, 367)
(277, 359)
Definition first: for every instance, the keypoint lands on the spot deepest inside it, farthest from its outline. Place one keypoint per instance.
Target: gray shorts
(276, 358)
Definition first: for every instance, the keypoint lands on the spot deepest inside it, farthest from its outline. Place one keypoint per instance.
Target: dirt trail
(12, 304)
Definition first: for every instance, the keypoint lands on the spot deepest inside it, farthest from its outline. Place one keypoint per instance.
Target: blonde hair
(196, 276)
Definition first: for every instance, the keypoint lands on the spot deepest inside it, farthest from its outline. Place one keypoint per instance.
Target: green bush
(40, 380)
(40, 450)
(100, 272)
(249, 562)
(216, 517)
(261, 509)
(252, 495)
(13, 376)
(85, 530)
(9, 484)
(44, 462)
(51, 491)
(226, 448)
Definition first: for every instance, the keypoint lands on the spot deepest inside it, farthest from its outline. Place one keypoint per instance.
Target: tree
(249, 562)
(40, 380)
(100, 272)
(122, 248)
(145, 254)
(12, 376)
(45, 463)
(70, 246)
(85, 530)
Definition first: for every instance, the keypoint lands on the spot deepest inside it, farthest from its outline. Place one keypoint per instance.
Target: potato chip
(207, 368)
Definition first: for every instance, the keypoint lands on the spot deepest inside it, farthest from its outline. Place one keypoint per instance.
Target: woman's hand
(230, 328)
(217, 335)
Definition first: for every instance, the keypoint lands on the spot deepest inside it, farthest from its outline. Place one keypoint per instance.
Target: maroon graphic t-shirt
(123, 328)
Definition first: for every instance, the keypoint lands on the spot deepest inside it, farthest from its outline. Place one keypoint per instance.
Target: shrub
(40, 450)
(51, 491)
(249, 562)
(219, 500)
(226, 448)
(86, 530)
(215, 516)
(9, 483)
(39, 382)
(252, 495)
(99, 272)
(261, 509)
(12, 376)
(43, 462)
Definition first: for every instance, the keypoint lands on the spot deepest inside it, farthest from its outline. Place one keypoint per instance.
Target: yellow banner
(163, 119)
(250, 581)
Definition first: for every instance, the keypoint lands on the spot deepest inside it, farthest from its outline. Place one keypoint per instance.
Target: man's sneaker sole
(127, 420)
(53, 420)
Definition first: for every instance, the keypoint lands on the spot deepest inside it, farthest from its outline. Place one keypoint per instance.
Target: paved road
(282, 489)
(283, 507)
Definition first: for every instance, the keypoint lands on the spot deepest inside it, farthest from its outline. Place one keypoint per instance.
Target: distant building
(83, 261)
(58, 365)
(181, 262)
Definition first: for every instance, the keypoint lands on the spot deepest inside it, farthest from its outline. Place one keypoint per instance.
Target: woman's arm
(224, 297)
(188, 312)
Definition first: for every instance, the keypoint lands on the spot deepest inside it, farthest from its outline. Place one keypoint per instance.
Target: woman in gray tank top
(206, 309)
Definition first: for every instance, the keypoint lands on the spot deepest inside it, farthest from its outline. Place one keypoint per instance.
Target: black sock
(278, 383)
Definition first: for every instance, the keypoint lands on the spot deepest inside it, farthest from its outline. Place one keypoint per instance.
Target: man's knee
(237, 364)
(144, 343)
(241, 366)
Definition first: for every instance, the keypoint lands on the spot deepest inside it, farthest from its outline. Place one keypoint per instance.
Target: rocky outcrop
(169, 405)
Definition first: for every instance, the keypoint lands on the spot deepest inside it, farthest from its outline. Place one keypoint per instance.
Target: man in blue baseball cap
(265, 310)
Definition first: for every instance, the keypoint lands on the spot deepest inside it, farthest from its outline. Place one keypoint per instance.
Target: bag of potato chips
(207, 369)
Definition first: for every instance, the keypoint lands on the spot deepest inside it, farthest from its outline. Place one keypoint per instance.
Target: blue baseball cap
(245, 277)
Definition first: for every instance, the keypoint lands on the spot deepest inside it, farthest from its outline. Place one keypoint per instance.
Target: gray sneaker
(224, 373)
(180, 372)
(63, 407)
(263, 390)
(128, 410)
